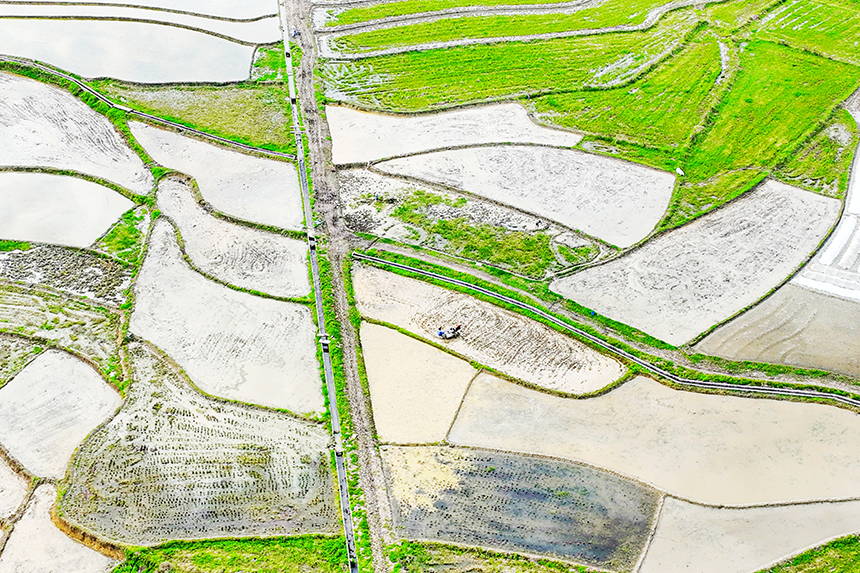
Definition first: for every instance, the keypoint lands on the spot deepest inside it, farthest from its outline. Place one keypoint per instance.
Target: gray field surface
(15, 353)
(518, 503)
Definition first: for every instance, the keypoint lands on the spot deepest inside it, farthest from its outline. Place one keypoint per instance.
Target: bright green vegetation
(824, 162)
(611, 13)
(256, 114)
(732, 15)
(661, 109)
(425, 557)
(839, 556)
(270, 64)
(404, 7)
(442, 78)
(14, 246)
(826, 27)
(661, 158)
(278, 555)
(125, 240)
(578, 255)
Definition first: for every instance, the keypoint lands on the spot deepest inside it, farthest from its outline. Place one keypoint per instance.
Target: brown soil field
(242, 256)
(174, 464)
(361, 137)
(681, 283)
(518, 503)
(415, 388)
(712, 449)
(13, 490)
(37, 546)
(794, 326)
(617, 201)
(48, 409)
(497, 338)
(232, 344)
(44, 126)
(713, 540)
(15, 353)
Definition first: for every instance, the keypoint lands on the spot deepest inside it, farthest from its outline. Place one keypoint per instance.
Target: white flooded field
(246, 187)
(712, 449)
(49, 408)
(56, 209)
(13, 490)
(44, 126)
(131, 51)
(415, 388)
(232, 344)
(360, 137)
(714, 540)
(497, 338)
(614, 200)
(244, 10)
(242, 256)
(683, 282)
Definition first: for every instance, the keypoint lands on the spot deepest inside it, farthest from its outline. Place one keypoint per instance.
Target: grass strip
(839, 556)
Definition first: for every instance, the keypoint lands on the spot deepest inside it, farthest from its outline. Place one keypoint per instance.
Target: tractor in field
(450, 332)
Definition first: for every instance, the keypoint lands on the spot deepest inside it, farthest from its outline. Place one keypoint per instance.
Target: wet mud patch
(15, 353)
(518, 503)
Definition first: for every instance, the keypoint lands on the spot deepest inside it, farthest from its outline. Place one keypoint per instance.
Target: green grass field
(839, 556)
(405, 7)
(826, 27)
(442, 78)
(728, 16)
(125, 240)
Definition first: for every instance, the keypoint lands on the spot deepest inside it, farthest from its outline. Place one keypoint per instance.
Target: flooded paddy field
(681, 283)
(722, 450)
(415, 388)
(250, 188)
(44, 126)
(13, 490)
(49, 408)
(232, 344)
(360, 137)
(174, 464)
(503, 340)
(518, 503)
(245, 10)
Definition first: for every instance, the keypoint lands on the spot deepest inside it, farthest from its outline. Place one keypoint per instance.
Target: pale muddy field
(262, 31)
(232, 344)
(249, 188)
(131, 51)
(712, 449)
(174, 464)
(683, 282)
(37, 546)
(518, 503)
(13, 490)
(713, 540)
(361, 137)
(56, 209)
(617, 201)
(48, 409)
(242, 256)
(245, 10)
(497, 338)
(15, 353)
(44, 126)
(793, 326)
(415, 389)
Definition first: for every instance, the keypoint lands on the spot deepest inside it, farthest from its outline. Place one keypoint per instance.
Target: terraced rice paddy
(56, 209)
(360, 137)
(241, 256)
(491, 336)
(49, 408)
(415, 389)
(246, 187)
(616, 201)
(713, 540)
(232, 344)
(174, 464)
(512, 502)
(718, 450)
(681, 283)
(13, 490)
(44, 126)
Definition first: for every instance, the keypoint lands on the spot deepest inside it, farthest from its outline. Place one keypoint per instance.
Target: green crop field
(406, 7)
(732, 15)
(840, 556)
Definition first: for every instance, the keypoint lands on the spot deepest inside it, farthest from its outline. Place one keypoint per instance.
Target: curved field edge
(838, 556)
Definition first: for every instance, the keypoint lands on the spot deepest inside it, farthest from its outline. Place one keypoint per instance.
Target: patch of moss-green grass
(839, 556)
(660, 109)
(690, 200)
(607, 14)
(823, 164)
(578, 255)
(308, 554)
(729, 16)
(406, 7)
(827, 27)
(429, 557)
(661, 158)
(269, 64)
(14, 246)
(125, 239)
(254, 114)
(433, 79)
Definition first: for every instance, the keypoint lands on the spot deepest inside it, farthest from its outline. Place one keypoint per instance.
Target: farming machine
(450, 332)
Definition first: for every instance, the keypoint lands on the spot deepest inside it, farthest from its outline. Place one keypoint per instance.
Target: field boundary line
(655, 370)
(462, 401)
(658, 513)
(141, 7)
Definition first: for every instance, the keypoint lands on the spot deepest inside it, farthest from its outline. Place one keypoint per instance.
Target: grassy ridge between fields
(839, 556)
(405, 7)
